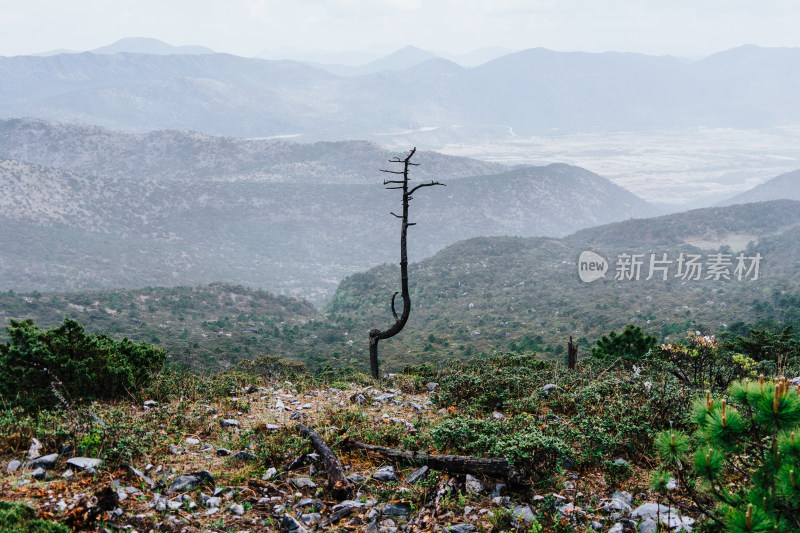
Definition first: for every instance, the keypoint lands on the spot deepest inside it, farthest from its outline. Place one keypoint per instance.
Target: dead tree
(376, 335)
(572, 354)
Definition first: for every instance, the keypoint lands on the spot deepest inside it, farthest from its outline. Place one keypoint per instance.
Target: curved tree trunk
(376, 335)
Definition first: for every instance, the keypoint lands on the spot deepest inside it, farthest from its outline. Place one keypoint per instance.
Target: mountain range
(534, 91)
(84, 207)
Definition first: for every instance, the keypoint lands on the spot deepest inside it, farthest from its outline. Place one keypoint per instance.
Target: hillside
(530, 92)
(180, 156)
(481, 295)
(783, 187)
(115, 210)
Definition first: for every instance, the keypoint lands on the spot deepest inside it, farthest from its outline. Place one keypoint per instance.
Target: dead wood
(453, 464)
(338, 483)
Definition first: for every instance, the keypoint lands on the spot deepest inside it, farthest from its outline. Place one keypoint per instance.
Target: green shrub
(631, 345)
(757, 443)
(19, 518)
(37, 367)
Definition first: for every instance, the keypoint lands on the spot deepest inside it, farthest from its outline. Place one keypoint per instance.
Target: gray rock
(312, 503)
(237, 509)
(385, 397)
(192, 441)
(310, 519)
(616, 528)
(396, 509)
(290, 525)
(596, 526)
(431, 386)
(68, 473)
(668, 516)
(303, 483)
(84, 463)
(13, 466)
(348, 503)
(624, 496)
(461, 528)
(356, 478)
(617, 505)
(648, 526)
(223, 452)
(358, 399)
(191, 481)
(473, 485)
(143, 477)
(498, 489)
(159, 503)
(550, 388)
(497, 415)
(417, 476)
(210, 501)
(621, 461)
(229, 422)
(46, 461)
(35, 450)
(385, 473)
(269, 474)
(150, 403)
(523, 513)
(39, 473)
(244, 456)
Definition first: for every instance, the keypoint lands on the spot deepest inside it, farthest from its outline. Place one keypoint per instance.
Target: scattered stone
(39, 473)
(498, 489)
(191, 481)
(270, 473)
(348, 503)
(668, 516)
(550, 388)
(210, 501)
(159, 503)
(174, 505)
(385, 397)
(223, 452)
(13, 466)
(35, 450)
(416, 476)
(297, 415)
(303, 483)
(596, 526)
(616, 528)
(244, 456)
(229, 422)
(46, 461)
(271, 427)
(84, 463)
(290, 525)
(150, 404)
(648, 526)
(497, 415)
(142, 476)
(431, 386)
(192, 441)
(462, 528)
(473, 485)
(524, 513)
(174, 450)
(68, 473)
(621, 461)
(396, 509)
(385, 473)
(356, 478)
(314, 504)
(237, 509)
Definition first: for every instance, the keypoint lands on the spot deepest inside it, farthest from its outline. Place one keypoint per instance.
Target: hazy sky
(689, 28)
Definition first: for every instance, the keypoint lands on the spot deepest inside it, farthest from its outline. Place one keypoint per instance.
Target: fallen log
(454, 464)
(338, 483)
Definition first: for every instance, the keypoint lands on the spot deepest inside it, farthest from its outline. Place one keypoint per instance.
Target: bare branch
(393, 171)
(393, 311)
(421, 185)
(395, 214)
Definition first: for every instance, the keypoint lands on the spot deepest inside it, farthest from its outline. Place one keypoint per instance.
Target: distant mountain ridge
(531, 92)
(144, 45)
(783, 187)
(93, 208)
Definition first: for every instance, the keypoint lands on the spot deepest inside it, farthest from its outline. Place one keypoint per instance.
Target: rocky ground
(217, 479)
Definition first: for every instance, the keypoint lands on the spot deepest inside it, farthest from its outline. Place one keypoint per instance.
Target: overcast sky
(688, 28)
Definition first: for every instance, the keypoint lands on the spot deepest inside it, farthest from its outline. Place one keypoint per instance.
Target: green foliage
(632, 344)
(759, 439)
(19, 518)
(37, 366)
(616, 472)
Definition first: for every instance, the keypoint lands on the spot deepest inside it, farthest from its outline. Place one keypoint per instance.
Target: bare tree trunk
(376, 335)
(572, 354)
